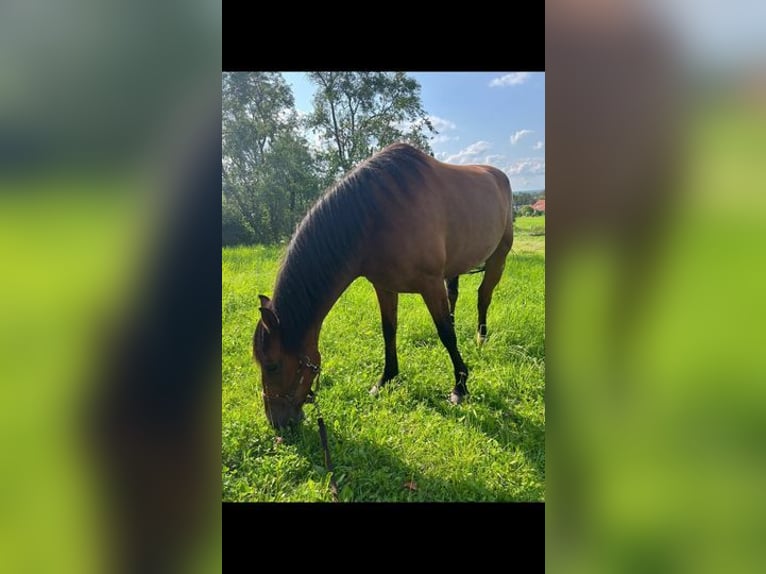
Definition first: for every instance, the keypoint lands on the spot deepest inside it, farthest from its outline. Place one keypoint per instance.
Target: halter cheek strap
(304, 363)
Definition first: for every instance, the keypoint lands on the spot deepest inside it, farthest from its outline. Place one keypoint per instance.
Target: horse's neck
(310, 338)
(338, 289)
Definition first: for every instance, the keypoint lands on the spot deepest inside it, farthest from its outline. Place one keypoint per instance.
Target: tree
(269, 176)
(356, 113)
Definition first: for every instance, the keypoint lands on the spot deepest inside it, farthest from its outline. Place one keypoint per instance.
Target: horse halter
(304, 363)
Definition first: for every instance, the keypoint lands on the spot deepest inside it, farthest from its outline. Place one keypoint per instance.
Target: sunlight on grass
(491, 448)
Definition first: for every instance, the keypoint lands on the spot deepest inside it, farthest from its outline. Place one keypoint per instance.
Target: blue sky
(496, 118)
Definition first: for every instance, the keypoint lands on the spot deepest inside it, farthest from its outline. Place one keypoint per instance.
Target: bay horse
(409, 224)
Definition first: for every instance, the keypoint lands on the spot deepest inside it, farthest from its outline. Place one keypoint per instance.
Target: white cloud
(527, 166)
(441, 155)
(405, 125)
(516, 136)
(470, 153)
(493, 158)
(442, 138)
(440, 124)
(538, 145)
(316, 141)
(512, 79)
(286, 114)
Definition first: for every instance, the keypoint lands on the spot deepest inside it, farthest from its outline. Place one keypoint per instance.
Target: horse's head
(286, 376)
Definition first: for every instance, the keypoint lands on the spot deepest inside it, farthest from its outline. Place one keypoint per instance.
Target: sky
(496, 118)
(717, 34)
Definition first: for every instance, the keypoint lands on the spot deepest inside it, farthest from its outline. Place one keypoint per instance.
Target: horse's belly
(408, 266)
(469, 259)
(470, 244)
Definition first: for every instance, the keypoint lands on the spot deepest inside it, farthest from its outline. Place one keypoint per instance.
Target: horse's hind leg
(435, 297)
(492, 274)
(388, 302)
(452, 293)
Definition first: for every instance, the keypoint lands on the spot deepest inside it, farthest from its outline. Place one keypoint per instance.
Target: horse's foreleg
(436, 300)
(388, 306)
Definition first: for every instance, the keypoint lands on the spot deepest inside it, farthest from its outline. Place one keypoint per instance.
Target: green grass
(530, 225)
(492, 447)
(529, 234)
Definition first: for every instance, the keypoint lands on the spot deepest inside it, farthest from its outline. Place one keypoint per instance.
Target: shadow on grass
(489, 410)
(370, 472)
(493, 418)
(496, 411)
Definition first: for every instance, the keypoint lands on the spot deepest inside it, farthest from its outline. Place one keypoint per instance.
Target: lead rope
(326, 449)
(323, 438)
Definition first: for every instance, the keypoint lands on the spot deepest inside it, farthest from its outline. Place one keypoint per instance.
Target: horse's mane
(327, 240)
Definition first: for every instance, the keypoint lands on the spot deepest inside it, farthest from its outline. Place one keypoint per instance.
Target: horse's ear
(270, 320)
(265, 301)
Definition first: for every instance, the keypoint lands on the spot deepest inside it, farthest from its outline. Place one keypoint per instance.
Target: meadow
(408, 443)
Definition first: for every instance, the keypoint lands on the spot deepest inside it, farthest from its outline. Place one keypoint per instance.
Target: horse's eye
(272, 368)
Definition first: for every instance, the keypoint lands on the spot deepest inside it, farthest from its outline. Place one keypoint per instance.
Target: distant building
(539, 205)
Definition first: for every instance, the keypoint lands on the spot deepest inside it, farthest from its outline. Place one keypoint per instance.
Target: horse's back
(449, 220)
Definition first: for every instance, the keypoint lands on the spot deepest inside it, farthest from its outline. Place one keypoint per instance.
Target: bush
(234, 229)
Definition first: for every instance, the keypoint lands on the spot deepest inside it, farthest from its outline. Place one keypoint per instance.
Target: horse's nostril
(287, 420)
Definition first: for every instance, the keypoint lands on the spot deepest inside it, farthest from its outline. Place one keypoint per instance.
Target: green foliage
(492, 447)
(234, 229)
(521, 198)
(269, 176)
(526, 211)
(357, 113)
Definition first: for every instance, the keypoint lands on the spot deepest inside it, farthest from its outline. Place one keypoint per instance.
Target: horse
(409, 224)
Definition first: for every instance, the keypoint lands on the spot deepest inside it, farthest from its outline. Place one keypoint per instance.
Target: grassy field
(409, 443)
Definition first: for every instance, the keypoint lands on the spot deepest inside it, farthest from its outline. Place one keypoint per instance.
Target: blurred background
(105, 109)
(656, 116)
(109, 146)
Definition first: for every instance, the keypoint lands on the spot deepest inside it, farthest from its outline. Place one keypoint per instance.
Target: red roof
(539, 205)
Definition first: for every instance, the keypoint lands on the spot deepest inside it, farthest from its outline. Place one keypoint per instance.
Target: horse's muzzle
(280, 418)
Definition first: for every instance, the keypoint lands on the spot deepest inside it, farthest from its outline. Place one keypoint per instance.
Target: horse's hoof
(455, 398)
(375, 390)
(481, 334)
